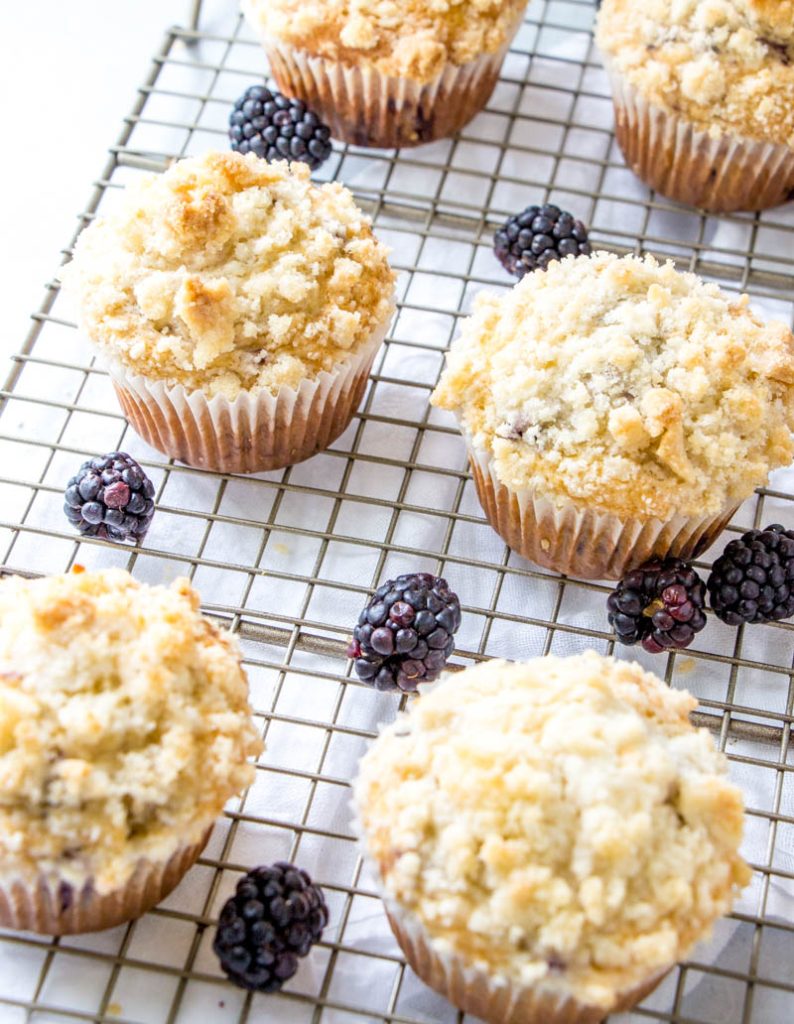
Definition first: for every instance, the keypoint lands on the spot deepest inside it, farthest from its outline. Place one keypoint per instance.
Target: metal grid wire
(286, 559)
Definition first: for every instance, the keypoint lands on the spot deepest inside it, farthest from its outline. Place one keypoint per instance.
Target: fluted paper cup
(367, 108)
(720, 174)
(59, 908)
(577, 541)
(254, 432)
(495, 999)
(498, 1000)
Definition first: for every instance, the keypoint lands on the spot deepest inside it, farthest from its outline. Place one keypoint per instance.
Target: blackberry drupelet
(275, 916)
(110, 497)
(276, 127)
(405, 634)
(532, 239)
(753, 579)
(660, 605)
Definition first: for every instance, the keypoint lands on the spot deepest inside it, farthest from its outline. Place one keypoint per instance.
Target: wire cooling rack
(287, 559)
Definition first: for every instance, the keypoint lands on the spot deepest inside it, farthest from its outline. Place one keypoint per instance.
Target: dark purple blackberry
(276, 127)
(405, 634)
(275, 916)
(753, 579)
(532, 239)
(110, 497)
(660, 605)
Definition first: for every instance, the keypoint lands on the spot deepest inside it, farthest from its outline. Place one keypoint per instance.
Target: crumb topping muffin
(124, 725)
(624, 385)
(726, 65)
(557, 823)
(228, 274)
(412, 39)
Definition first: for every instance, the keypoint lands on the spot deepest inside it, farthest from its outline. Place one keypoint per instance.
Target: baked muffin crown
(124, 725)
(775, 15)
(557, 822)
(228, 273)
(726, 65)
(408, 38)
(626, 386)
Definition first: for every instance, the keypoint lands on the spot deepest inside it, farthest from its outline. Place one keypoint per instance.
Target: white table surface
(69, 71)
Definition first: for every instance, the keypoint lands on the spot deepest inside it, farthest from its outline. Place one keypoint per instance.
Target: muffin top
(124, 724)
(725, 65)
(557, 822)
(408, 38)
(626, 386)
(227, 274)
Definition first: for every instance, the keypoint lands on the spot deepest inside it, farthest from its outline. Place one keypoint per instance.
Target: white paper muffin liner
(720, 174)
(367, 108)
(494, 999)
(58, 908)
(580, 542)
(254, 432)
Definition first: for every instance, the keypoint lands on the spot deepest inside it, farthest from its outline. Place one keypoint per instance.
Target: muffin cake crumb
(625, 385)
(228, 274)
(124, 725)
(556, 823)
(374, 31)
(727, 66)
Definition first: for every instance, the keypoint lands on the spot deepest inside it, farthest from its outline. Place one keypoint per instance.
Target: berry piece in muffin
(276, 127)
(405, 634)
(753, 579)
(533, 238)
(110, 497)
(660, 605)
(275, 917)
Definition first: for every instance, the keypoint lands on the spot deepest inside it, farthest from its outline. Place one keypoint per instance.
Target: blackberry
(659, 605)
(276, 127)
(753, 579)
(275, 916)
(532, 239)
(405, 634)
(110, 497)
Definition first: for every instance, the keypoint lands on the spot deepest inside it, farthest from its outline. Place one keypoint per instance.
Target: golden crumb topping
(557, 822)
(625, 385)
(726, 65)
(409, 38)
(124, 725)
(228, 273)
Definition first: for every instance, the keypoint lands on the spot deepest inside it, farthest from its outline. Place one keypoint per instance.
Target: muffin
(549, 838)
(704, 97)
(387, 72)
(616, 410)
(238, 307)
(124, 729)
